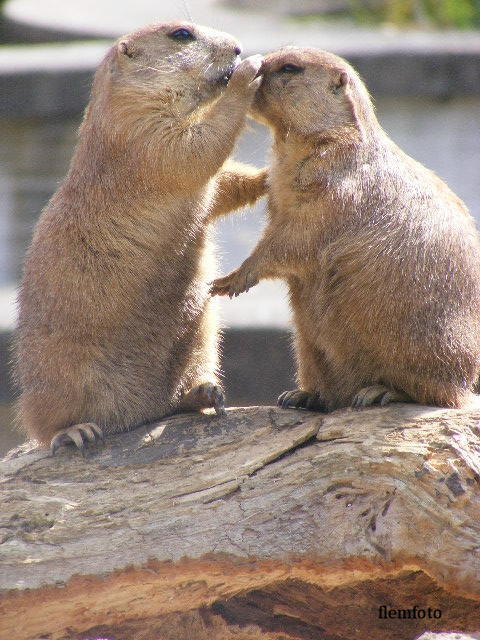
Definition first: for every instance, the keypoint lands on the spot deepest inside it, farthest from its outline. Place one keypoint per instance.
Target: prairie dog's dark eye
(182, 34)
(291, 68)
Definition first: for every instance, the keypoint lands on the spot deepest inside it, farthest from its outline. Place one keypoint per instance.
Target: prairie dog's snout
(306, 90)
(179, 53)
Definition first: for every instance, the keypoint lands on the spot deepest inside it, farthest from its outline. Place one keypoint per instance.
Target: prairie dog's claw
(300, 399)
(246, 72)
(78, 435)
(204, 396)
(235, 283)
(378, 394)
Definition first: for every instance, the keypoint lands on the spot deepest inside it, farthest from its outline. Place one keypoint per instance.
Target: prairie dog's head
(173, 62)
(310, 91)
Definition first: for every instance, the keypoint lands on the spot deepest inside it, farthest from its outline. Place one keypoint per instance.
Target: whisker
(164, 70)
(186, 10)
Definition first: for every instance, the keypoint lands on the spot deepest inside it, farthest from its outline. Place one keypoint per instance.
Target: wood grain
(266, 524)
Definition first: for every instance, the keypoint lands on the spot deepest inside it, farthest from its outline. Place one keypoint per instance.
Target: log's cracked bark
(264, 524)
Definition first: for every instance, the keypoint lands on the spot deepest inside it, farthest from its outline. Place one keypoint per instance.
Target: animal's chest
(161, 260)
(299, 184)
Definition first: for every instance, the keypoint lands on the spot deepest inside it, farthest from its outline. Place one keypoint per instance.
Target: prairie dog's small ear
(126, 49)
(340, 82)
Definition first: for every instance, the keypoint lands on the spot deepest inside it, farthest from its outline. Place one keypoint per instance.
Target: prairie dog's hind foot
(378, 394)
(204, 396)
(300, 399)
(79, 435)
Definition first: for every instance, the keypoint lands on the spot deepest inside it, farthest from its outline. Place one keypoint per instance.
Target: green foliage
(457, 14)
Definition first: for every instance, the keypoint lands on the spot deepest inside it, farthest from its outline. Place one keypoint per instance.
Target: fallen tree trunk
(264, 524)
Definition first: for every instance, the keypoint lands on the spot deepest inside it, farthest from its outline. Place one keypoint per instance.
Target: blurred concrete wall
(257, 366)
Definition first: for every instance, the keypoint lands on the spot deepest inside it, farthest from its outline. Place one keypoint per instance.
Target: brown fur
(115, 324)
(382, 260)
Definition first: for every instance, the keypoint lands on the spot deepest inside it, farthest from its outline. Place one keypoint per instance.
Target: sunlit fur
(382, 260)
(115, 324)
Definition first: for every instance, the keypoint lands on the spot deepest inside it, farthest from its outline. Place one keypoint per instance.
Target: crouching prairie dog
(382, 260)
(115, 327)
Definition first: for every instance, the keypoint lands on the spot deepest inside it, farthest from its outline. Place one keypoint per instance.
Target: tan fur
(115, 324)
(382, 260)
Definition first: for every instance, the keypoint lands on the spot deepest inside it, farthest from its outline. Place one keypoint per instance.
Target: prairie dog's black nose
(238, 50)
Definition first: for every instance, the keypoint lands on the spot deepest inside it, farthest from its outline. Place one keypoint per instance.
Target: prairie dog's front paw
(235, 283)
(245, 77)
(263, 179)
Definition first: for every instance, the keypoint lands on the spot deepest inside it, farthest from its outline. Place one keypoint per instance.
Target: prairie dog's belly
(127, 290)
(118, 263)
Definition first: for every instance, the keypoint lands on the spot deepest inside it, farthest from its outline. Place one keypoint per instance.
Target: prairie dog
(115, 327)
(382, 260)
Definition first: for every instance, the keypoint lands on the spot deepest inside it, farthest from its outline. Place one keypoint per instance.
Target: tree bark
(264, 524)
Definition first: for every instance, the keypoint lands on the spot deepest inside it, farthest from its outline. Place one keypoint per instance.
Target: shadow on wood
(264, 524)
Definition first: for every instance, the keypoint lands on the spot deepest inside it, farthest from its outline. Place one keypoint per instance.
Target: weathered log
(264, 524)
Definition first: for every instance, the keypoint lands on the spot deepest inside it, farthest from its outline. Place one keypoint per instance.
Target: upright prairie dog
(115, 328)
(382, 260)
